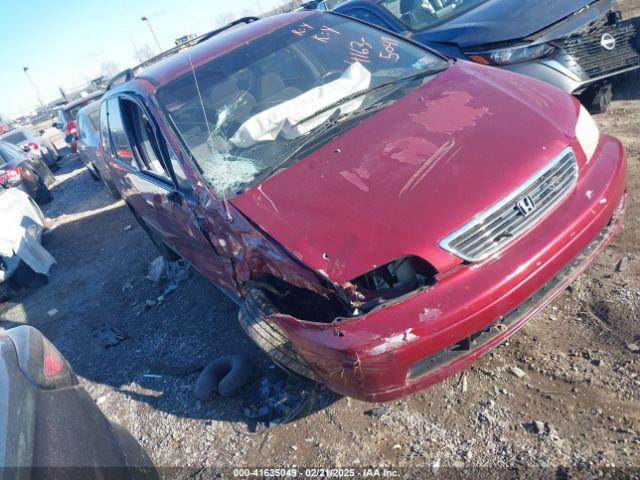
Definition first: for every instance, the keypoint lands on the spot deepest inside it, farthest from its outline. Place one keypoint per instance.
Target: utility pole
(26, 72)
(145, 19)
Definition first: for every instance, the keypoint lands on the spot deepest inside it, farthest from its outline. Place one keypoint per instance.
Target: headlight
(587, 133)
(510, 56)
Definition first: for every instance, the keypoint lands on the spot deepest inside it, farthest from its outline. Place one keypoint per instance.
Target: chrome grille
(595, 60)
(501, 224)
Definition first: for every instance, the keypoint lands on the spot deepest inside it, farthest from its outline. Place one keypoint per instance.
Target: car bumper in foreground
(432, 334)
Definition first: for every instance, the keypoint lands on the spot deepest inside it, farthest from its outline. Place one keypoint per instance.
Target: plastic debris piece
(109, 336)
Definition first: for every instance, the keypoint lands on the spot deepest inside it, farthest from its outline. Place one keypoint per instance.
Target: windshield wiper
(310, 137)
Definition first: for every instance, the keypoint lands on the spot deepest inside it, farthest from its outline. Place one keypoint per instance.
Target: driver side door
(156, 188)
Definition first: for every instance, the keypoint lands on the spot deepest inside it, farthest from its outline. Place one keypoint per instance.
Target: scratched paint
(403, 149)
(429, 314)
(394, 342)
(449, 113)
(445, 152)
(355, 180)
(260, 189)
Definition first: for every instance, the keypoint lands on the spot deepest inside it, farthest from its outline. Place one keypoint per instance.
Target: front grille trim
(474, 242)
(597, 62)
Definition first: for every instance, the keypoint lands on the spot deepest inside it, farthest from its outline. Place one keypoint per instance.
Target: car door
(157, 189)
(82, 140)
(92, 137)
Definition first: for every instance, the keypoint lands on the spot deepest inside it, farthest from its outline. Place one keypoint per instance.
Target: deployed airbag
(286, 119)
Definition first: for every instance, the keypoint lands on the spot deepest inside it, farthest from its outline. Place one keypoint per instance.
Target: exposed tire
(40, 213)
(597, 98)
(253, 317)
(54, 152)
(93, 172)
(44, 195)
(52, 161)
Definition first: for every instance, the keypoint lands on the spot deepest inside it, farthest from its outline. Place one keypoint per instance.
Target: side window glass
(4, 157)
(119, 140)
(10, 152)
(367, 16)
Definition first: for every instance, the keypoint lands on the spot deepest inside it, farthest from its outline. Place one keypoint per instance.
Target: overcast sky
(65, 43)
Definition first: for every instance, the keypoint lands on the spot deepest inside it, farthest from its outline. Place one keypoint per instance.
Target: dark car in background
(26, 171)
(383, 214)
(36, 143)
(67, 117)
(321, 4)
(575, 45)
(50, 427)
(88, 139)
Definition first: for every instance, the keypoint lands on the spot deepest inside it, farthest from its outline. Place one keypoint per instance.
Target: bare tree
(109, 69)
(225, 19)
(144, 53)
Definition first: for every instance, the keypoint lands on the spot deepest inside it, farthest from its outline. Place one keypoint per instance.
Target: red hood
(414, 172)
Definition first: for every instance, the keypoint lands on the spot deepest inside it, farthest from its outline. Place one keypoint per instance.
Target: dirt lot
(578, 405)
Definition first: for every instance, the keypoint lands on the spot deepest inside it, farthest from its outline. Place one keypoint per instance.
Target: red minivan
(384, 215)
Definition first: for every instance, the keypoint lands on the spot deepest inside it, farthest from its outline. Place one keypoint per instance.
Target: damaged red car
(384, 215)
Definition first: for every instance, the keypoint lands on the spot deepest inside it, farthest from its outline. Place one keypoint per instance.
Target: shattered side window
(244, 114)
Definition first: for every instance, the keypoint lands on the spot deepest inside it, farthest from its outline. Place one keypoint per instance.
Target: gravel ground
(575, 404)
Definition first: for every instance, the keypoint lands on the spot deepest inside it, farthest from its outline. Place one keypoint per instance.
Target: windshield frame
(186, 150)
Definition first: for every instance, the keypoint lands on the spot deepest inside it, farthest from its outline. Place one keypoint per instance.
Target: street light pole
(145, 19)
(33, 85)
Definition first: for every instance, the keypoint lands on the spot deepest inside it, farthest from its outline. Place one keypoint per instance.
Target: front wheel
(254, 318)
(43, 196)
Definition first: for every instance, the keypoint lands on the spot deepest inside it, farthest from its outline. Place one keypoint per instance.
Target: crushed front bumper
(419, 340)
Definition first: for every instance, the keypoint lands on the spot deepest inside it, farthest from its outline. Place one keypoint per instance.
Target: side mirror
(70, 138)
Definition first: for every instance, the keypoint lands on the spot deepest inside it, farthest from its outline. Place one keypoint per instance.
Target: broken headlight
(392, 280)
(511, 55)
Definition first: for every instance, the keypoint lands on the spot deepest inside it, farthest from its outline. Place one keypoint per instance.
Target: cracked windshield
(256, 110)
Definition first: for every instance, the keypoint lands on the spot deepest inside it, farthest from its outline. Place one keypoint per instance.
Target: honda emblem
(526, 206)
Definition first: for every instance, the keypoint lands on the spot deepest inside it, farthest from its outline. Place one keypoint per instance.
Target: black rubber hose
(225, 376)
